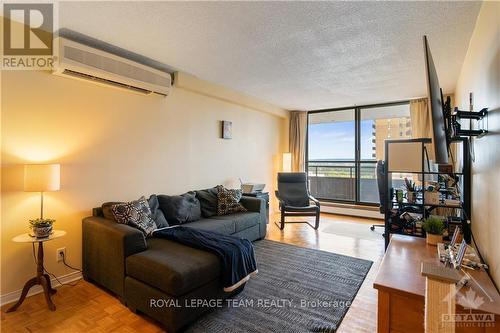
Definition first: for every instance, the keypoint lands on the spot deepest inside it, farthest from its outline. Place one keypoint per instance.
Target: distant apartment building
(392, 128)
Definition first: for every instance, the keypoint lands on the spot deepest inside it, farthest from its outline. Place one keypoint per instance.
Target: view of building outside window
(332, 164)
(392, 128)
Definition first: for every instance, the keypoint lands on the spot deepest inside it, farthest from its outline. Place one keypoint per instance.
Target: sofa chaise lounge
(160, 277)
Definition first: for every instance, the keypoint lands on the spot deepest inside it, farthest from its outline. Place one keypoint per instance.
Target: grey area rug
(296, 290)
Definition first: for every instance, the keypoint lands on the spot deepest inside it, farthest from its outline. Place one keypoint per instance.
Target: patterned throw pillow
(136, 214)
(228, 201)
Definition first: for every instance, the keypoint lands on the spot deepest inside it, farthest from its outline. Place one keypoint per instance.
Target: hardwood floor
(87, 308)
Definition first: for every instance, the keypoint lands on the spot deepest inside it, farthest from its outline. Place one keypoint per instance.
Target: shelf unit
(411, 159)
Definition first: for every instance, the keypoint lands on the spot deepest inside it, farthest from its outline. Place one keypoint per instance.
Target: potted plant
(433, 227)
(41, 227)
(410, 191)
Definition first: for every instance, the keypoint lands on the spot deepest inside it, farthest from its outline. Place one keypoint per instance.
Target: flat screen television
(436, 105)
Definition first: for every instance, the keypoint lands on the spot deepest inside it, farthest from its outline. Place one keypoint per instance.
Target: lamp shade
(42, 177)
(287, 162)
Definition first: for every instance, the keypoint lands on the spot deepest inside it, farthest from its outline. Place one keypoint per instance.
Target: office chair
(295, 199)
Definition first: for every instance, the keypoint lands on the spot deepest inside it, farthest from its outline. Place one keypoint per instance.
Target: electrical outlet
(60, 254)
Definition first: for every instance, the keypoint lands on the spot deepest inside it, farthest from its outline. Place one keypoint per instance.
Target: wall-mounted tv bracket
(471, 114)
(457, 115)
(453, 126)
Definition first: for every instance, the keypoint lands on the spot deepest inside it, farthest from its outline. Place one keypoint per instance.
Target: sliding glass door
(343, 147)
(331, 155)
(377, 124)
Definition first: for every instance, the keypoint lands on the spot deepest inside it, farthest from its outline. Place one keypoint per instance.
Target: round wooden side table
(41, 277)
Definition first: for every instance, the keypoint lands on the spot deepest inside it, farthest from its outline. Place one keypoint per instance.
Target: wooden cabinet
(401, 290)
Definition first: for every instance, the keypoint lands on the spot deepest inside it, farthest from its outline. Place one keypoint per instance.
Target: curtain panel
(297, 140)
(421, 122)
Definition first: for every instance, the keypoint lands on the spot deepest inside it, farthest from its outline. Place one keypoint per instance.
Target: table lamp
(42, 178)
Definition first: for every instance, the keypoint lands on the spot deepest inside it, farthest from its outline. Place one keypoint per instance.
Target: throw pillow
(228, 201)
(208, 201)
(136, 214)
(106, 210)
(158, 216)
(180, 209)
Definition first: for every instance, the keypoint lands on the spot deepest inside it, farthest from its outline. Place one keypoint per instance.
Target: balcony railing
(336, 180)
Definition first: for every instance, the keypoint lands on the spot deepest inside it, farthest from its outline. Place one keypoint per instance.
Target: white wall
(480, 74)
(117, 145)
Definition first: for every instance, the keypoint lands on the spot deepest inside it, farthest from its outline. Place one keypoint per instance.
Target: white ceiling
(297, 55)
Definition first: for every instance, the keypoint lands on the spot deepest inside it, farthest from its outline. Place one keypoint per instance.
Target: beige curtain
(421, 122)
(297, 139)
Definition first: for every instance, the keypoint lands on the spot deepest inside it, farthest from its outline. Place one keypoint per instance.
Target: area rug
(296, 290)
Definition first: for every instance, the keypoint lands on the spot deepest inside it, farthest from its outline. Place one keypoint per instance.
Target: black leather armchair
(295, 199)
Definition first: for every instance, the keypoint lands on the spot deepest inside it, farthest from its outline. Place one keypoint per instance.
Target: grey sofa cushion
(208, 201)
(180, 209)
(173, 268)
(242, 220)
(154, 205)
(226, 227)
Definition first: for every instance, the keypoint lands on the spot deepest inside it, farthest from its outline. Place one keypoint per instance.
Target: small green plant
(433, 225)
(38, 223)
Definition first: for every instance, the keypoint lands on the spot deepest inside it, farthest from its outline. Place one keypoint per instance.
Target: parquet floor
(87, 308)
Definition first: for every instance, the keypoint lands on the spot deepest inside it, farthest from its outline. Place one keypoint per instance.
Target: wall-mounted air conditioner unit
(87, 63)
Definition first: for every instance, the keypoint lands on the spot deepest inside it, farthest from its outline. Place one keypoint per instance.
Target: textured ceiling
(297, 55)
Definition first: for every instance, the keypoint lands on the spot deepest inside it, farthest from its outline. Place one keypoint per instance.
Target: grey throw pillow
(228, 201)
(136, 214)
(180, 209)
(208, 201)
(158, 216)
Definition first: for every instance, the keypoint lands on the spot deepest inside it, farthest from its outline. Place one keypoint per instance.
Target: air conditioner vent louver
(83, 62)
(104, 81)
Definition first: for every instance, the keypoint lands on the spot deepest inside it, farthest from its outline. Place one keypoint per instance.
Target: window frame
(357, 147)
